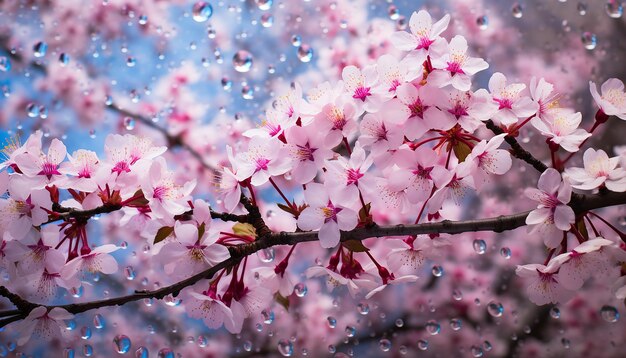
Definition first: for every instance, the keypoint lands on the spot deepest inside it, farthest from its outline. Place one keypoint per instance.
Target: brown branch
(517, 150)
(496, 224)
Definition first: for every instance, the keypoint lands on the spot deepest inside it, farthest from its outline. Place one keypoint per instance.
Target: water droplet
(129, 124)
(98, 321)
(482, 22)
(64, 59)
(70, 325)
(487, 346)
(384, 344)
(477, 351)
(202, 340)
(582, 8)
(285, 348)
(85, 332)
(495, 309)
(143, 19)
(399, 322)
(267, 20)
(142, 352)
(131, 61)
(555, 312)
(609, 314)
(264, 4)
(517, 10)
(43, 112)
(505, 252)
(40, 48)
(363, 308)
(305, 53)
(332, 349)
(87, 350)
(242, 61)
(456, 324)
(122, 344)
(5, 64)
(247, 346)
(565, 342)
(589, 40)
(479, 246)
(296, 40)
(614, 8)
(457, 294)
(268, 316)
(433, 327)
(32, 110)
(437, 271)
(68, 353)
(332, 321)
(300, 289)
(422, 344)
(201, 11)
(393, 12)
(259, 327)
(247, 92)
(129, 272)
(172, 301)
(166, 353)
(350, 331)
(227, 84)
(266, 255)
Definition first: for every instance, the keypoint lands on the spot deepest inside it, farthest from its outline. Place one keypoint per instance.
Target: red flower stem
(345, 142)
(289, 204)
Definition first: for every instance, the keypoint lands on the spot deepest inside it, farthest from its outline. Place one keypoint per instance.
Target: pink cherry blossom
(42, 168)
(81, 167)
(124, 152)
(338, 119)
(562, 128)
(584, 261)
(613, 99)
(343, 175)
(43, 324)
(511, 105)
(598, 170)
(469, 109)
(451, 185)
(23, 210)
(454, 67)
(417, 170)
(393, 73)
(165, 198)
(542, 92)
(13, 148)
(326, 216)
(96, 260)
(263, 159)
(282, 283)
(360, 85)
(213, 312)
(379, 134)
(543, 286)
(486, 159)
(355, 285)
(308, 153)
(423, 33)
(552, 212)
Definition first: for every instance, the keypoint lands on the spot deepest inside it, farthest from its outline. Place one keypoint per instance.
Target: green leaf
(461, 151)
(163, 233)
(355, 246)
(283, 301)
(285, 208)
(244, 229)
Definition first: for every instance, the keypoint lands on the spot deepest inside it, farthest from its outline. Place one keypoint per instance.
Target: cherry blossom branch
(173, 141)
(266, 239)
(517, 150)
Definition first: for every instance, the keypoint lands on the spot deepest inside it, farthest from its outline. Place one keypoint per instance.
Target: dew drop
(487, 346)
(85, 332)
(242, 61)
(433, 327)
(87, 350)
(350, 331)
(296, 40)
(70, 325)
(40, 48)
(122, 344)
(129, 124)
(332, 321)
(609, 314)
(565, 342)
(172, 301)
(582, 8)
(247, 346)
(202, 340)
(393, 12)
(227, 84)
(517, 10)
(437, 271)
(457, 294)
(5, 64)
(131, 61)
(589, 40)
(166, 353)
(479, 246)
(300, 289)
(477, 351)
(266, 255)
(285, 348)
(505, 252)
(98, 321)
(247, 92)
(399, 322)
(64, 59)
(305, 53)
(264, 4)
(268, 316)
(267, 20)
(142, 352)
(384, 345)
(422, 344)
(143, 19)
(456, 324)
(555, 312)
(495, 309)
(69, 353)
(201, 11)
(363, 308)
(332, 349)
(32, 110)
(482, 22)
(614, 8)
